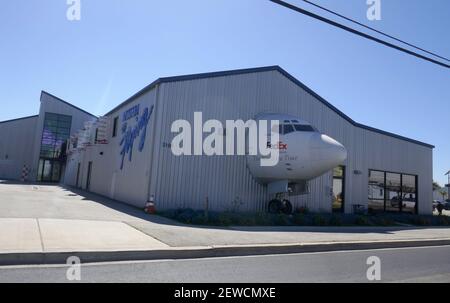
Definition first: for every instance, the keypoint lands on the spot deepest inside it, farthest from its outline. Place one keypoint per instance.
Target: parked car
(435, 203)
(407, 202)
(446, 204)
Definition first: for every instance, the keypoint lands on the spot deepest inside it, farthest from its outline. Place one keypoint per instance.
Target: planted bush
(336, 220)
(361, 220)
(319, 220)
(421, 221)
(283, 220)
(199, 217)
(263, 219)
(298, 219)
(302, 210)
(385, 221)
(445, 221)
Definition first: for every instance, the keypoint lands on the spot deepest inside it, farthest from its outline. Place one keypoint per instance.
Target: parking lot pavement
(56, 202)
(52, 201)
(446, 212)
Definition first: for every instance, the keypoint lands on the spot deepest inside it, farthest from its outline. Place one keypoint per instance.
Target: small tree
(436, 186)
(444, 193)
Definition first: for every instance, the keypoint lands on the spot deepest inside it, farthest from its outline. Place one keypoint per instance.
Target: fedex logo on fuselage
(279, 145)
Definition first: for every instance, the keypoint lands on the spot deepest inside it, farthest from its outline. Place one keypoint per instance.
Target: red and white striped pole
(24, 173)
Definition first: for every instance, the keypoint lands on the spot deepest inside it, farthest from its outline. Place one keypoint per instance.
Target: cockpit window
(304, 128)
(288, 128)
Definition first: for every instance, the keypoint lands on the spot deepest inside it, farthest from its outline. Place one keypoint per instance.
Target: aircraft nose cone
(328, 150)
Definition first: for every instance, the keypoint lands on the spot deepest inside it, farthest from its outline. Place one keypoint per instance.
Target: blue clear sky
(120, 46)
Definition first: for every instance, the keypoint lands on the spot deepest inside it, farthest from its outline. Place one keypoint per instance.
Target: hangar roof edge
(21, 118)
(67, 103)
(258, 70)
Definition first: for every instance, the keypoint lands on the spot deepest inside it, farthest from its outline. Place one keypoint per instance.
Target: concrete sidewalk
(52, 241)
(55, 235)
(62, 235)
(45, 224)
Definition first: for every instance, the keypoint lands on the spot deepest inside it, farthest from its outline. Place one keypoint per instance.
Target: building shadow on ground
(139, 213)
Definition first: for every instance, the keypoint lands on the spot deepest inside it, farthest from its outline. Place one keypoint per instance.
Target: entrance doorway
(49, 170)
(338, 189)
(88, 180)
(77, 184)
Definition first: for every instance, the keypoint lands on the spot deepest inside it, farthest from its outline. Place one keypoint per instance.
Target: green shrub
(245, 219)
(281, 219)
(336, 220)
(319, 220)
(361, 220)
(302, 210)
(420, 220)
(385, 221)
(263, 219)
(199, 220)
(298, 219)
(443, 221)
(224, 219)
(186, 215)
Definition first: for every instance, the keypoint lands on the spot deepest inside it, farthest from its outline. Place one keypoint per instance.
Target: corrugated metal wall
(186, 181)
(16, 142)
(129, 184)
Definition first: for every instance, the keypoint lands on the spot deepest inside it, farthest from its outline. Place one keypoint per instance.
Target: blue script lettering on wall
(129, 134)
(130, 113)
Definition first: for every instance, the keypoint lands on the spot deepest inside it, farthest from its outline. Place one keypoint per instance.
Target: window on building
(409, 191)
(55, 133)
(96, 136)
(376, 190)
(392, 192)
(115, 124)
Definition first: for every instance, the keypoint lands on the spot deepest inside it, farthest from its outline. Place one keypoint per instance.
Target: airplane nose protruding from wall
(334, 149)
(327, 149)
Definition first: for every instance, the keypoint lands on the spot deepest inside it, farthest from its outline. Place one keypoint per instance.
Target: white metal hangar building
(126, 154)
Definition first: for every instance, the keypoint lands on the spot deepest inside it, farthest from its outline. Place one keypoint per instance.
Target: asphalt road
(425, 264)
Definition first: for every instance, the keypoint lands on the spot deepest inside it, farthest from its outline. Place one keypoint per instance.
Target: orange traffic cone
(150, 206)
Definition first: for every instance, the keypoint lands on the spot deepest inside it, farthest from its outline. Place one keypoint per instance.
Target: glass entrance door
(49, 170)
(88, 180)
(338, 189)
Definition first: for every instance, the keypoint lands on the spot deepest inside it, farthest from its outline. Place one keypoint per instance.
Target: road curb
(36, 258)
